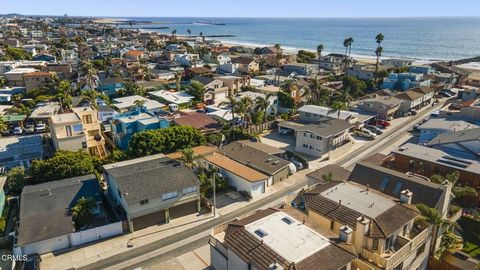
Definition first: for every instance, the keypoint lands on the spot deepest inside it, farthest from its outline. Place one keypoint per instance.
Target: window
(305, 134)
(142, 202)
(375, 244)
(312, 136)
(189, 190)
(168, 196)
(332, 225)
(87, 119)
(287, 220)
(310, 147)
(68, 130)
(420, 250)
(384, 184)
(398, 187)
(399, 267)
(305, 146)
(261, 233)
(319, 138)
(405, 230)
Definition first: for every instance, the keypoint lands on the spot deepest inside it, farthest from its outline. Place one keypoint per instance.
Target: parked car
(444, 94)
(284, 131)
(32, 263)
(40, 128)
(365, 134)
(374, 129)
(17, 130)
(413, 112)
(380, 123)
(30, 129)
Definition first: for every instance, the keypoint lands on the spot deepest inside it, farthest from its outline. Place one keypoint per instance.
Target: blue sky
(244, 8)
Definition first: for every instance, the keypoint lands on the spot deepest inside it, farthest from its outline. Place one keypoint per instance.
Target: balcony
(403, 247)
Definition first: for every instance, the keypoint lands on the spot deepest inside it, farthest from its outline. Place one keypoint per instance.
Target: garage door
(258, 188)
(143, 222)
(183, 209)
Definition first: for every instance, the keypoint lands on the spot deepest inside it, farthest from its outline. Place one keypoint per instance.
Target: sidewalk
(93, 253)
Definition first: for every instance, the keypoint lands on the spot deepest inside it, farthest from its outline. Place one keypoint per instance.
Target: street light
(214, 196)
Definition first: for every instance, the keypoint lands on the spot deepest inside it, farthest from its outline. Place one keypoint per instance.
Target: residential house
(365, 72)
(15, 76)
(335, 63)
(460, 142)
(381, 228)
(175, 100)
(301, 69)
(45, 220)
(43, 111)
(276, 239)
(411, 100)
(173, 190)
(272, 100)
(187, 60)
(276, 168)
(44, 57)
(125, 104)
(430, 161)
(382, 106)
(20, 151)
(247, 65)
(469, 92)
(125, 125)
(405, 81)
(314, 114)
(110, 85)
(215, 90)
(106, 113)
(134, 55)
(193, 72)
(200, 121)
(234, 83)
(317, 139)
(240, 176)
(437, 126)
(78, 130)
(36, 80)
(397, 62)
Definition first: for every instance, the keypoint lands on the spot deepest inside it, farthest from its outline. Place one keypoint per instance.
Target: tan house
(247, 65)
(36, 80)
(78, 130)
(134, 55)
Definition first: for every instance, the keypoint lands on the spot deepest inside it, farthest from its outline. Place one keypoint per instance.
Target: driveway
(285, 142)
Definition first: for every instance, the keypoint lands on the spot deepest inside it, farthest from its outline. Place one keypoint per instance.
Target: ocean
(416, 38)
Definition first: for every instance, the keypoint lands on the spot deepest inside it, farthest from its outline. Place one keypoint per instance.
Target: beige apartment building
(78, 130)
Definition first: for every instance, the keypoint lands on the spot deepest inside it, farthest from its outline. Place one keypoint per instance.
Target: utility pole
(214, 196)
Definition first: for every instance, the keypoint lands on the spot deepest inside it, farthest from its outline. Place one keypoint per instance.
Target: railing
(389, 262)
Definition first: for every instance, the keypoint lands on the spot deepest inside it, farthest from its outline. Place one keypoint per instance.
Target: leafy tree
(3, 82)
(64, 164)
(16, 180)
(338, 106)
(16, 54)
(257, 117)
(132, 89)
(197, 90)
(3, 126)
(166, 140)
(305, 56)
(356, 87)
(139, 103)
(206, 182)
(262, 105)
(214, 138)
(232, 103)
(449, 241)
(82, 212)
(285, 100)
(91, 96)
(432, 216)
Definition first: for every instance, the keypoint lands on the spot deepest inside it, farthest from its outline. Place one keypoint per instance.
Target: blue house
(405, 81)
(125, 125)
(110, 85)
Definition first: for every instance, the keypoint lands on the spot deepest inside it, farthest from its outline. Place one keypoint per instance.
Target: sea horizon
(418, 38)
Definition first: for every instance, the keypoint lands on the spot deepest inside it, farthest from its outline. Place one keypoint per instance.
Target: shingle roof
(44, 208)
(373, 175)
(261, 256)
(409, 95)
(456, 137)
(150, 177)
(254, 158)
(338, 173)
(198, 120)
(235, 167)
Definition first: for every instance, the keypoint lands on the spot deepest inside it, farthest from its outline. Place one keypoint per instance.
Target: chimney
(406, 196)
(339, 203)
(361, 229)
(345, 234)
(368, 187)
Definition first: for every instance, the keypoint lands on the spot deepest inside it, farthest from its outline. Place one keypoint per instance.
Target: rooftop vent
(287, 220)
(261, 233)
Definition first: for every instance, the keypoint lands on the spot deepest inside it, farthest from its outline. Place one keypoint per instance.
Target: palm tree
(91, 97)
(139, 103)
(338, 106)
(350, 42)
(346, 44)
(262, 105)
(432, 216)
(174, 33)
(65, 94)
(320, 48)
(378, 52)
(289, 87)
(316, 94)
(82, 212)
(278, 47)
(188, 157)
(232, 103)
(178, 79)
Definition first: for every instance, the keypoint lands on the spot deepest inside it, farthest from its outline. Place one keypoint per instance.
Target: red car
(381, 123)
